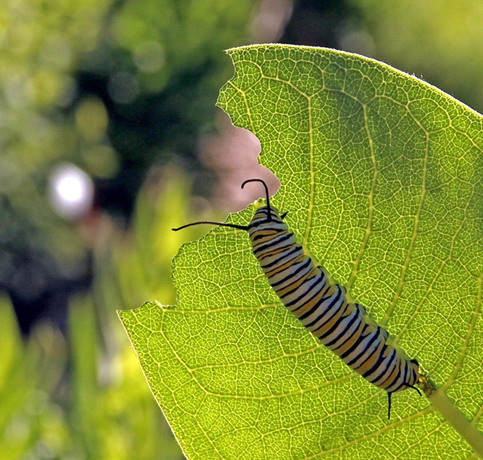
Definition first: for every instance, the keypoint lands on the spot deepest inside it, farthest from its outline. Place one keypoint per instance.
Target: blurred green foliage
(141, 261)
(28, 374)
(167, 37)
(109, 86)
(88, 399)
(436, 39)
(41, 44)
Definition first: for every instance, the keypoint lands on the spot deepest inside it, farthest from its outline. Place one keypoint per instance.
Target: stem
(452, 415)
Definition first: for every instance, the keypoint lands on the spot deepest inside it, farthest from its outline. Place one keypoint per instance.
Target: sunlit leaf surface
(381, 174)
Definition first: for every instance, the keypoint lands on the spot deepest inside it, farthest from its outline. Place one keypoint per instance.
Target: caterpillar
(323, 307)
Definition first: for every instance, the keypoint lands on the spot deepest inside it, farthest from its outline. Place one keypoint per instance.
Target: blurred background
(109, 137)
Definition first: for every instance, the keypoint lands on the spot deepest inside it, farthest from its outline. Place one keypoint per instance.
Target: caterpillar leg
(414, 388)
(389, 399)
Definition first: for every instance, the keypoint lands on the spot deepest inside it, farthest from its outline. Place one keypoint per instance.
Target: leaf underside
(382, 176)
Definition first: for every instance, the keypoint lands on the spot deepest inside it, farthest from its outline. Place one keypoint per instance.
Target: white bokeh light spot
(71, 191)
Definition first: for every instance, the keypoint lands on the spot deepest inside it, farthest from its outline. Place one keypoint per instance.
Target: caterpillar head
(267, 221)
(266, 217)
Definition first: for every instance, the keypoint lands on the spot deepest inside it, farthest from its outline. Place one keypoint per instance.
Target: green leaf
(382, 176)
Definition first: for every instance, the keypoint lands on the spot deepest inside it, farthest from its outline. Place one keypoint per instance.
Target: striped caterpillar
(322, 307)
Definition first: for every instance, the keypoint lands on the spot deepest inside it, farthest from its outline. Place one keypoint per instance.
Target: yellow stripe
(327, 290)
(328, 325)
(356, 336)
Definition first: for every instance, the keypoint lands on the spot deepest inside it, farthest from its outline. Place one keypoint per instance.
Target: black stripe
(273, 242)
(378, 362)
(399, 387)
(256, 223)
(337, 294)
(323, 285)
(289, 304)
(353, 348)
(303, 287)
(310, 312)
(385, 368)
(305, 291)
(333, 328)
(274, 239)
(308, 286)
(303, 265)
(397, 360)
(319, 279)
(393, 381)
(327, 309)
(405, 372)
(344, 332)
(260, 234)
(273, 252)
(394, 358)
(295, 251)
(314, 293)
(398, 375)
(414, 373)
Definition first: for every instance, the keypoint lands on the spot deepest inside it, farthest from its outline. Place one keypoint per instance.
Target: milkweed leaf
(382, 174)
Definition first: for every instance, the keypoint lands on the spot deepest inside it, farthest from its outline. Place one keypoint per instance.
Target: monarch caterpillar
(322, 307)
